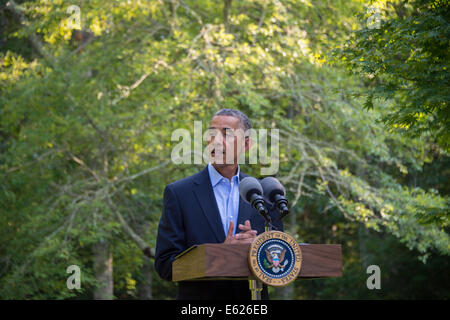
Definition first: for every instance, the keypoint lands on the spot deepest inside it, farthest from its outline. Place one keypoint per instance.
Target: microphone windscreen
(248, 186)
(271, 186)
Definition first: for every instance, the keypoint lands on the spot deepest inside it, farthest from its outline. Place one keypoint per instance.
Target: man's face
(226, 140)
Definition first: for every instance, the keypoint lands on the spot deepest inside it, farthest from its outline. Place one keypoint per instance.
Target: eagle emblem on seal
(275, 257)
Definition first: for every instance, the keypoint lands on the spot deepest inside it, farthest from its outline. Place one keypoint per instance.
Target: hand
(246, 236)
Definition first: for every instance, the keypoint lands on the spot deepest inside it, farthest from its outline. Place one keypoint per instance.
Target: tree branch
(149, 252)
(12, 6)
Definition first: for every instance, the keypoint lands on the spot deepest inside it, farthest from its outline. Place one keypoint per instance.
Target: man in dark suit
(206, 208)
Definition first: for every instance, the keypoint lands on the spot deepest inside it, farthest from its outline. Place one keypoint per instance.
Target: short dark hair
(245, 122)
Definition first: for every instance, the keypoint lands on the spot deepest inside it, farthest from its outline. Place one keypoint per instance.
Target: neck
(228, 170)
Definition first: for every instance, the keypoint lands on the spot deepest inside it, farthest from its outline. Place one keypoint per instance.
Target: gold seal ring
(275, 258)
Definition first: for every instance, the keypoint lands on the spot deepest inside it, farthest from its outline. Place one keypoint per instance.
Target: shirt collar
(215, 176)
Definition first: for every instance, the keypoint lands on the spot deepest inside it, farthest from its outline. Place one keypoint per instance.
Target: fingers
(230, 230)
(246, 235)
(246, 226)
(244, 238)
(229, 239)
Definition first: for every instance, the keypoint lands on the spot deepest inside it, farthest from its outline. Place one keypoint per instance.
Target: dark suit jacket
(191, 217)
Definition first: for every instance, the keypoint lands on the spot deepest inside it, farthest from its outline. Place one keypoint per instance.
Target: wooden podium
(230, 262)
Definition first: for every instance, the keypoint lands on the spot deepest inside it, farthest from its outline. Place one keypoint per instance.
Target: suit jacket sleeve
(171, 235)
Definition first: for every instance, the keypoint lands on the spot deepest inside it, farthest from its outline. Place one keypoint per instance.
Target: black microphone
(275, 193)
(251, 191)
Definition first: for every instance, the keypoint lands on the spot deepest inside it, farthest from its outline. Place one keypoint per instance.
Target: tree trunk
(363, 252)
(145, 285)
(226, 13)
(287, 293)
(103, 271)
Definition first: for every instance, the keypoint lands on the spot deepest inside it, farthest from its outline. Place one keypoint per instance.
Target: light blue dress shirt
(227, 196)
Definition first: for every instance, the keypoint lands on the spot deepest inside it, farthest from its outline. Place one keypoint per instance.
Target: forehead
(220, 122)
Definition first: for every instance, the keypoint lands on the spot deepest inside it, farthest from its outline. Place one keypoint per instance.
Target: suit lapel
(205, 196)
(245, 212)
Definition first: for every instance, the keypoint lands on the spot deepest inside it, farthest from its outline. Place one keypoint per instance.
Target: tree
(86, 131)
(405, 58)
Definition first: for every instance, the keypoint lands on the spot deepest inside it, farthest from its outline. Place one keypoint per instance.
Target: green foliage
(85, 135)
(405, 59)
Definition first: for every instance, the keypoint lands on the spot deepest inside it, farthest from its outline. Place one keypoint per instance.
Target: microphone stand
(255, 285)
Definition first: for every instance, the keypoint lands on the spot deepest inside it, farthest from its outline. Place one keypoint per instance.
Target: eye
(229, 133)
(212, 132)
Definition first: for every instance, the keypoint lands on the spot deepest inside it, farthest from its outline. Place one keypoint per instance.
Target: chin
(222, 164)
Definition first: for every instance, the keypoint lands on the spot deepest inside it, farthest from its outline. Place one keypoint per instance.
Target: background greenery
(358, 89)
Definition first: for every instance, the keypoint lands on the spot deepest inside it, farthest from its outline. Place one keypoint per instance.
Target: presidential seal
(275, 258)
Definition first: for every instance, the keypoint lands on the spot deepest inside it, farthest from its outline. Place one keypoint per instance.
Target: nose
(218, 138)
